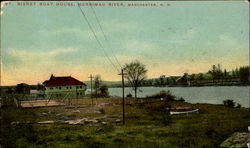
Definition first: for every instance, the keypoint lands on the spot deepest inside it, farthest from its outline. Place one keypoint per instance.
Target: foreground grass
(147, 125)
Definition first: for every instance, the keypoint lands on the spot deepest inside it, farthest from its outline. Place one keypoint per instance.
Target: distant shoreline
(240, 85)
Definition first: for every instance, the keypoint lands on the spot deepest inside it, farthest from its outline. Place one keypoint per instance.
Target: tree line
(215, 76)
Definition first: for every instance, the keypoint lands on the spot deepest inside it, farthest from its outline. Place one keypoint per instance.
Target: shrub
(238, 105)
(104, 91)
(166, 118)
(228, 103)
(129, 95)
(163, 94)
(102, 111)
(181, 100)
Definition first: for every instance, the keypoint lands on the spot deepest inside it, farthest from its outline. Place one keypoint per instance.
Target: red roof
(62, 81)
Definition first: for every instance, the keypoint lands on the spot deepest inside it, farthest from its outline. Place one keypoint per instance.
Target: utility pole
(91, 77)
(76, 96)
(123, 100)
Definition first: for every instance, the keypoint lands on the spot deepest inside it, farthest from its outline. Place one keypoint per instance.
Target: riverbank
(210, 95)
(147, 125)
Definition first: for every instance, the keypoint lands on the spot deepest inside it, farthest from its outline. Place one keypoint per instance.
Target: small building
(64, 87)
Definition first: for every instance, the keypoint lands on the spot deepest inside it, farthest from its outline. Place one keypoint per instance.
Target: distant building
(64, 87)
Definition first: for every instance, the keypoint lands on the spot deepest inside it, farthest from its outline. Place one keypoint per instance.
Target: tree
(104, 91)
(200, 76)
(136, 73)
(23, 88)
(225, 73)
(216, 72)
(244, 74)
(191, 77)
(97, 83)
(162, 80)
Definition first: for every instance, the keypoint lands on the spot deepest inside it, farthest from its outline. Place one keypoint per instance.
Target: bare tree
(135, 74)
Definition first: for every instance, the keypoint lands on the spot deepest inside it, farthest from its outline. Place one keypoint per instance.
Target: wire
(98, 41)
(100, 26)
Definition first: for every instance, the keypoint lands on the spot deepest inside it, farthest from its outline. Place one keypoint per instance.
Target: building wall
(64, 92)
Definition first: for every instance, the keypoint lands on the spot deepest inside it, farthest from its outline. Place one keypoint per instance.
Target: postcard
(159, 74)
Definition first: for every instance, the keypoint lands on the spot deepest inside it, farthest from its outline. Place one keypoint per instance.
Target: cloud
(24, 53)
(184, 37)
(118, 26)
(34, 66)
(23, 59)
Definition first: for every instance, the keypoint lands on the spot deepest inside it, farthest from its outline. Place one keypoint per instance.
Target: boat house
(64, 87)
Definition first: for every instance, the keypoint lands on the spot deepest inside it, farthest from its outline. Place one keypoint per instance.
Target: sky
(170, 39)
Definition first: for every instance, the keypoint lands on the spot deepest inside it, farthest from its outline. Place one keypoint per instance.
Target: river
(210, 94)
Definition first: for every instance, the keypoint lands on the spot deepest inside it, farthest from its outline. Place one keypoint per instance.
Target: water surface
(210, 94)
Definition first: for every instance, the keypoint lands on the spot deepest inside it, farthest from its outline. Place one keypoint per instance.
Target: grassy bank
(147, 125)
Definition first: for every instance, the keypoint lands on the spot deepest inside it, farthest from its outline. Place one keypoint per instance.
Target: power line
(98, 41)
(105, 37)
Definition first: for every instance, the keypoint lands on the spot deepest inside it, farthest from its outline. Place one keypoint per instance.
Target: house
(64, 87)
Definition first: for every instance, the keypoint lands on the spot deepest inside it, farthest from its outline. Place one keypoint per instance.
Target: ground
(148, 124)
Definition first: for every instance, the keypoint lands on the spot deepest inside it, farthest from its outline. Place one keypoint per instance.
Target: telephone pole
(123, 100)
(91, 77)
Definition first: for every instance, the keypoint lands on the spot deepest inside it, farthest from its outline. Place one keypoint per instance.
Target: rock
(75, 122)
(76, 111)
(58, 114)
(46, 122)
(118, 121)
(237, 140)
(93, 121)
(97, 112)
(104, 123)
(45, 114)
(15, 123)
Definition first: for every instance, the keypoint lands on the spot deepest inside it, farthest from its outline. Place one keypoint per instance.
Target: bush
(102, 92)
(181, 100)
(228, 103)
(163, 94)
(166, 118)
(238, 105)
(129, 96)
(102, 111)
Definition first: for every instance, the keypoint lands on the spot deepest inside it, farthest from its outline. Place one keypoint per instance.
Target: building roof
(62, 81)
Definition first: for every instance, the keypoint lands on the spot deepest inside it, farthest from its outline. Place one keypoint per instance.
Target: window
(67, 87)
(70, 87)
(76, 86)
(51, 88)
(60, 88)
(80, 86)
